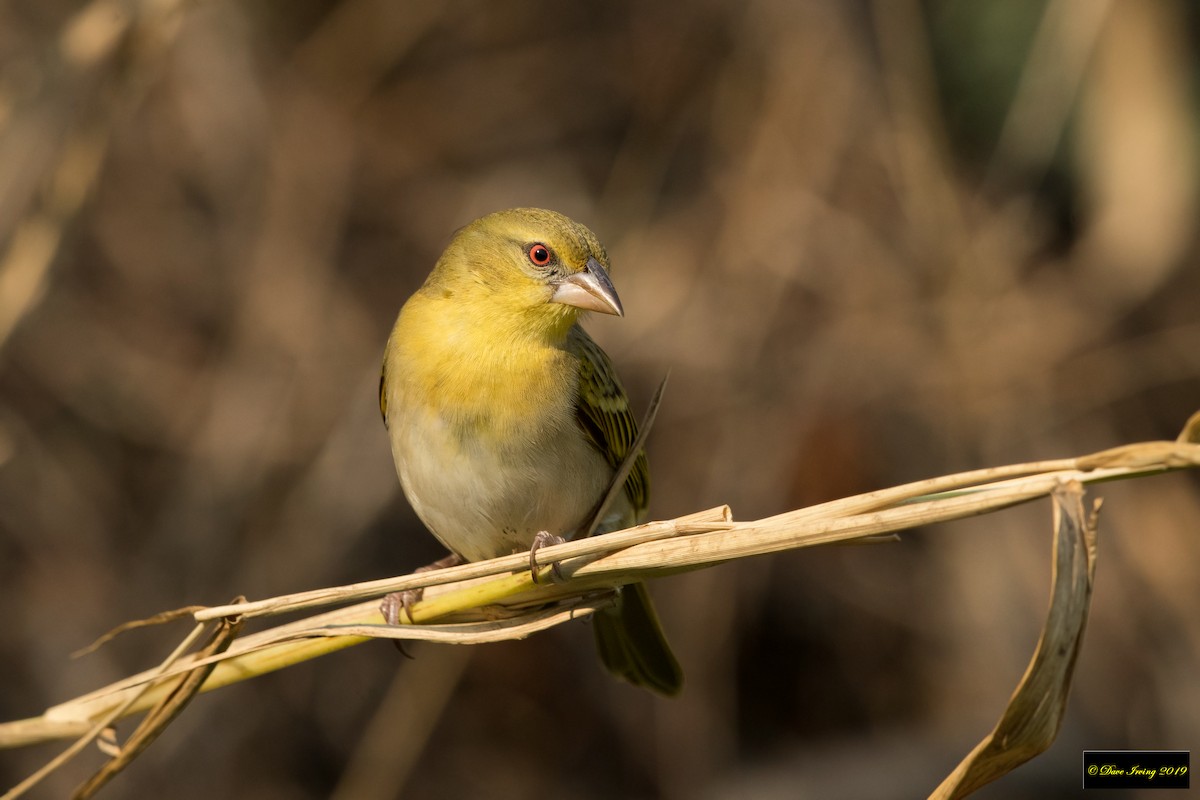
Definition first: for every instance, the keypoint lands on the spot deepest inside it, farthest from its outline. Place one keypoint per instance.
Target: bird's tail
(632, 644)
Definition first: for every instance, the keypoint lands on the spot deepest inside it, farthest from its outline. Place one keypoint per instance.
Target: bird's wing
(603, 413)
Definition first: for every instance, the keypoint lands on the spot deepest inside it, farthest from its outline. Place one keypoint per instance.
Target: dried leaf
(1191, 431)
(1033, 717)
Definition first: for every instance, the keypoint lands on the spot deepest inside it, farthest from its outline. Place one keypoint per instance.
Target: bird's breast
(490, 453)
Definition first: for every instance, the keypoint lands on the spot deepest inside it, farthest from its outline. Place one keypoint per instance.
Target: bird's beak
(590, 290)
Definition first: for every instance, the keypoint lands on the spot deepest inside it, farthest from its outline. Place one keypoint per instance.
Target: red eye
(540, 254)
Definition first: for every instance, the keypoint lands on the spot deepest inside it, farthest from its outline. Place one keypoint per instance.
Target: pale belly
(482, 501)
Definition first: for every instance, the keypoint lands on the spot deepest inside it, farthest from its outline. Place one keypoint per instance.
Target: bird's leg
(540, 540)
(396, 602)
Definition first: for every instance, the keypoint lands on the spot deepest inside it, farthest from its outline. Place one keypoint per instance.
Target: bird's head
(530, 263)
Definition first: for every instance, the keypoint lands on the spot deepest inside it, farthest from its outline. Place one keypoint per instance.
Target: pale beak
(590, 290)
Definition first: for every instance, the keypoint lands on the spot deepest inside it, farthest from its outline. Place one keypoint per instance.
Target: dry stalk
(500, 599)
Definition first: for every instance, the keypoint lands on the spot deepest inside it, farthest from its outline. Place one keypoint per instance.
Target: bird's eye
(540, 255)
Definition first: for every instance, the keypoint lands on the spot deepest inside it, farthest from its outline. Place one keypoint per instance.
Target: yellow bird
(507, 421)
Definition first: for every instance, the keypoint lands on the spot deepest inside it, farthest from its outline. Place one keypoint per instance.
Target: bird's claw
(543, 539)
(396, 602)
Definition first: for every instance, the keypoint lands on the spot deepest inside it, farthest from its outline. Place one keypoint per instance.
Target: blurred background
(873, 242)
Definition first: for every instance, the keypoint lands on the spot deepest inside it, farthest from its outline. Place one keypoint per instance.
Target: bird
(507, 421)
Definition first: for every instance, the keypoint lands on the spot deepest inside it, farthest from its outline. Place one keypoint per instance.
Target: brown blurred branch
(69, 143)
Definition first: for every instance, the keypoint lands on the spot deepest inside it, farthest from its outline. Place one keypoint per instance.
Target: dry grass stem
(167, 709)
(19, 732)
(473, 605)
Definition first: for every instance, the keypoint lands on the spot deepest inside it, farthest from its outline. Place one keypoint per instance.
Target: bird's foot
(543, 539)
(397, 602)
